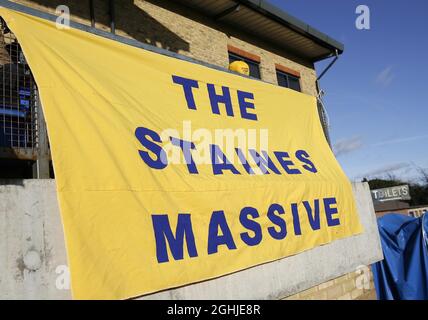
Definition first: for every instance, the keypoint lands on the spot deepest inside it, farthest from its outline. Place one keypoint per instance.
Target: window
(254, 66)
(287, 80)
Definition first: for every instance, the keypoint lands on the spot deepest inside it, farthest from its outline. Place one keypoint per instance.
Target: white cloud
(385, 77)
(383, 170)
(347, 145)
(399, 140)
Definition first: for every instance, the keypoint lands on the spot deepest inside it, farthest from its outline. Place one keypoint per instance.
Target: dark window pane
(282, 80)
(288, 81)
(254, 66)
(233, 58)
(294, 83)
(254, 70)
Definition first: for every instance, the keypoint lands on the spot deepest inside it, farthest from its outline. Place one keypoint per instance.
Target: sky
(376, 93)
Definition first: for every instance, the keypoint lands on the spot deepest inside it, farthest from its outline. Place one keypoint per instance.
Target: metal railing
(18, 99)
(23, 133)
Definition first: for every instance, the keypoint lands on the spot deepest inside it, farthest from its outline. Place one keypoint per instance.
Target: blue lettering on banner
(218, 220)
(250, 219)
(277, 221)
(220, 162)
(224, 98)
(220, 234)
(163, 234)
(244, 105)
(263, 162)
(245, 99)
(296, 219)
(329, 211)
(186, 147)
(314, 218)
(156, 158)
(244, 161)
(252, 225)
(188, 85)
(142, 135)
(282, 156)
(303, 156)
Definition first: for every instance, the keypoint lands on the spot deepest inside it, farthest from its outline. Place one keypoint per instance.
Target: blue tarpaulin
(403, 274)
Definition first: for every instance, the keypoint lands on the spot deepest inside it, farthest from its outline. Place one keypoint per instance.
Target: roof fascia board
(273, 12)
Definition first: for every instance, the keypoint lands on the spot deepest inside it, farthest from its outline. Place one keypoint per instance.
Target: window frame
(288, 75)
(250, 62)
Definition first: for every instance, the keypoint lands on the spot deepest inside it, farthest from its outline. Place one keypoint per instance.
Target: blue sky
(376, 93)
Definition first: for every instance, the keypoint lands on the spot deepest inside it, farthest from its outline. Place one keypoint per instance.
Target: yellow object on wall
(240, 67)
(170, 172)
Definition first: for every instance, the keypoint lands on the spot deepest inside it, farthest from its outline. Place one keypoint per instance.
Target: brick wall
(171, 26)
(346, 287)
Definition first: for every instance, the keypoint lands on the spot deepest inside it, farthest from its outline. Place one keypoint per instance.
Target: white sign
(392, 193)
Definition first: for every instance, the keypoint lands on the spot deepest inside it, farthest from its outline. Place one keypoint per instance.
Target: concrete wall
(31, 240)
(32, 253)
(171, 26)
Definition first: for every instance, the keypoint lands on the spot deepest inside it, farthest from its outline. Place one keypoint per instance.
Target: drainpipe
(329, 65)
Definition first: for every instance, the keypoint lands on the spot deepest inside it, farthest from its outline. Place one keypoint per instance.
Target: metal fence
(18, 100)
(23, 135)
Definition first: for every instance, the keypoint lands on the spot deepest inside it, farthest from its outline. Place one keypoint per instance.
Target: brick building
(210, 31)
(279, 49)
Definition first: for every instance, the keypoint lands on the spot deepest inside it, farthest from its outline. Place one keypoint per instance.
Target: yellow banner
(169, 172)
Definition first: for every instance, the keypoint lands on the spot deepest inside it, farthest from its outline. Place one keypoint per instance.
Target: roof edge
(279, 15)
